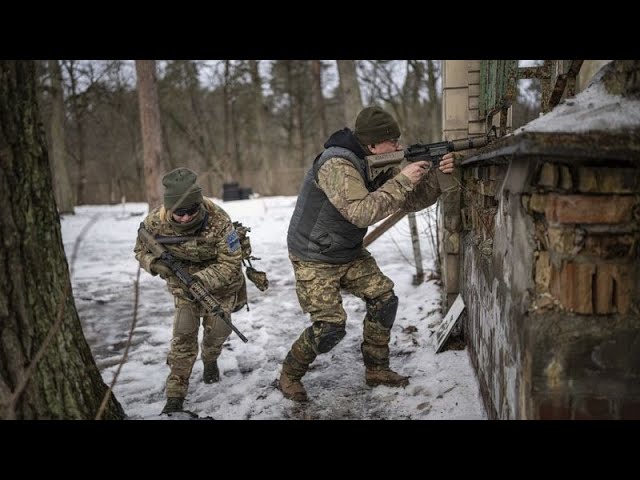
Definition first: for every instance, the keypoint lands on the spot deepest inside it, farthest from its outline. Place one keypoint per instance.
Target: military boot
(386, 376)
(174, 404)
(294, 367)
(292, 388)
(211, 373)
(375, 353)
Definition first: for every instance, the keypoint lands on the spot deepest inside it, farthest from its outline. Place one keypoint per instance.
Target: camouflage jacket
(346, 190)
(214, 255)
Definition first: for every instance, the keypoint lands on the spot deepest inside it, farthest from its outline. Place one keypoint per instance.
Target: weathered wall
(551, 275)
(460, 119)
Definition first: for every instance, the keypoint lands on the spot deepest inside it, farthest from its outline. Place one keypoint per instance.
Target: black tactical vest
(318, 231)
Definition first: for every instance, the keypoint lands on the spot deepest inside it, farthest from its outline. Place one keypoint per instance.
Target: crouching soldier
(201, 236)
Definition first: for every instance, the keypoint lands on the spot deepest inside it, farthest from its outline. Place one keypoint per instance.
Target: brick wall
(550, 274)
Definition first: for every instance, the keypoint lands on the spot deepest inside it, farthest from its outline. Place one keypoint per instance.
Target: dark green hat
(180, 188)
(374, 125)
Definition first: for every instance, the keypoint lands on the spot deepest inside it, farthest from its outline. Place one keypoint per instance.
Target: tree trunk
(435, 103)
(260, 156)
(226, 98)
(352, 100)
(77, 110)
(34, 277)
(298, 106)
(58, 148)
(151, 129)
(321, 130)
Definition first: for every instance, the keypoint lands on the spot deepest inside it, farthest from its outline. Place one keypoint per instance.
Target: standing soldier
(336, 204)
(199, 234)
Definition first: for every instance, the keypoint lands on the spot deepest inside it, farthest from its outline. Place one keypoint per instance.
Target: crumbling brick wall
(550, 274)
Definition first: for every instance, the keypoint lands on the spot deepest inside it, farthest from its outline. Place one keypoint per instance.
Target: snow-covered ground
(443, 386)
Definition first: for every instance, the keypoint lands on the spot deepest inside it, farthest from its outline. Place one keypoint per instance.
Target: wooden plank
(388, 222)
(445, 328)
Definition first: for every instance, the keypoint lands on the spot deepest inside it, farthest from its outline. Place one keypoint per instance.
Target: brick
(452, 274)
(613, 288)
(473, 78)
(549, 175)
(487, 188)
(453, 223)
(476, 128)
(474, 90)
(587, 181)
(543, 272)
(474, 103)
(474, 115)
(608, 180)
(605, 283)
(451, 242)
(561, 240)
(538, 203)
(566, 181)
(589, 209)
(572, 285)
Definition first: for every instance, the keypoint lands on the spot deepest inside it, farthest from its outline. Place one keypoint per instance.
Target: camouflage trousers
(319, 287)
(184, 344)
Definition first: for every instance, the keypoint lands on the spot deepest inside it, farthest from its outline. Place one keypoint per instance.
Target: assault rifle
(433, 152)
(194, 287)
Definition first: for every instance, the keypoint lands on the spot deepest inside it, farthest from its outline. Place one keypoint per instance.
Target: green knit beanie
(374, 125)
(181, 189)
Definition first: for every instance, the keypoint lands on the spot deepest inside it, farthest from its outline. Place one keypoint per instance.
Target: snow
(593, 109)
(104, 270)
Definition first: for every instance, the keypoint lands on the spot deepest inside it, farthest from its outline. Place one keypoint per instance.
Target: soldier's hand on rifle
(447, 163)
(415, 171)
(161, 268)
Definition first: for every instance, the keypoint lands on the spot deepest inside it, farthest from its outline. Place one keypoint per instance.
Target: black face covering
(190, 227)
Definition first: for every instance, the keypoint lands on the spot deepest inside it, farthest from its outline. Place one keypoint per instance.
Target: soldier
(336, 204)
(200, 234)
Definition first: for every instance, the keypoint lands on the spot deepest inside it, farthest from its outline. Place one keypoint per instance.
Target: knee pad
(383, 311)
(325, 336)
(216, 327)
(186, 322)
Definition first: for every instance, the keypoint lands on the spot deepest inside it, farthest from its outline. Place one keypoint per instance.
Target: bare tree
(259, 114)
(57, 146)
(151, 129)
(77, 111)
(321, 129)
(435, 102)
(46, 367)
(352, 100)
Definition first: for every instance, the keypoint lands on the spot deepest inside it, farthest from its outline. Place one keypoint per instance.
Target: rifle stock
(200, 294)
(433, 152)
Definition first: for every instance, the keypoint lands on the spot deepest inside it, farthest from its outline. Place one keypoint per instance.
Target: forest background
(256, 122)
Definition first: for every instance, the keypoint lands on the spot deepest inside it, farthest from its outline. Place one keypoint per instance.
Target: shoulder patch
(233, 242)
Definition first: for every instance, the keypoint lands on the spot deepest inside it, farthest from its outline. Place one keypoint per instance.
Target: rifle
(194, 287)
(377, 164)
